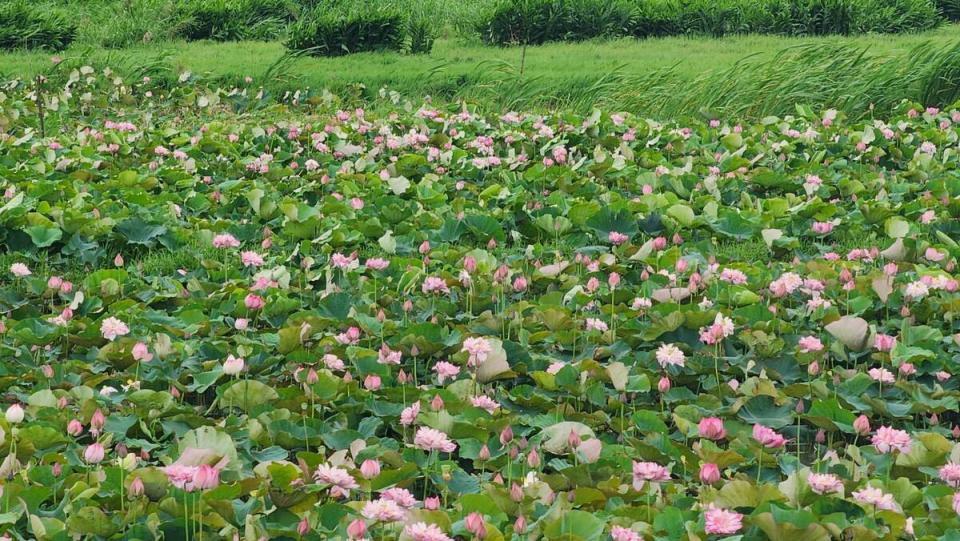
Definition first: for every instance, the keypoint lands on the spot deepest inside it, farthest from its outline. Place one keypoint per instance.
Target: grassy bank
(658, 76)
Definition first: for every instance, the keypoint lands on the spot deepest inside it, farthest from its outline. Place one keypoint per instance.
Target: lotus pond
(226, 316)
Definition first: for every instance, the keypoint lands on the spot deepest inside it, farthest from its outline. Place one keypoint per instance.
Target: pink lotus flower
(111, 328)
(181, 476)
(485, 403)
(254, 302)
(141, 353)
(401, 496)
(383, 511)
(430, 439)
(616, 238)
(809, 344)
(950, 474)
(409, 414)
(250, 258)
(824, 483)
(822, 228)
(619, 533)
(233, 365)
(421, 531)
(884, 342)
(709, 473)
(20, 270)
(768, 437)
(477, 348)
(225, 240)
(446, 371)
(434, 284)
(670, 355)
(888, 439)
(94, 453)
(877, 498)
(206, 477)
(712, 428)
(862, 425)
(340, 479)
(721, 522)
(648, 472)
(733, 276)
(882, 375)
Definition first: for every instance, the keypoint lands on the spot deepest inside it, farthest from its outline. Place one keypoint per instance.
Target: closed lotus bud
(800, 407)
(357, 529)
(934, 419)
(118, 260)
(347, 377)
(174, 392)
(372, 382)
(93, 454)
(136, 488)
(469, 264)
(821, 437)
(709, 473)
(522, 443)
(14, 414)
(97, 421)
(312, 376)
(303, 528)
(370, 468)
(437, 403)
(62, 402)
(520, 525)
(425, 247)
(121, 449)
(484, 453)
(506, 435)
(474, 524)
(492, 243)
(381, 316)
(407, 305)
(47, 371)
(905, 311)
(663, 385)
(533, 458)
(498, 479)
(57, 469)
(74, 428)
(956, 431)
(432, 503)
(814, 368)
(573, 439)
(403, 377)
(862, 425)
(516, 493)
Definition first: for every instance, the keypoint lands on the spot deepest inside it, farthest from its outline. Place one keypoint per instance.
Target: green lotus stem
(759, 463)
(186, 524)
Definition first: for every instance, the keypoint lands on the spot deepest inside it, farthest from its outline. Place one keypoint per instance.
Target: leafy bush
(540, 21)
(226, 20)
(23, 25)
(345, 28)
(949, 9)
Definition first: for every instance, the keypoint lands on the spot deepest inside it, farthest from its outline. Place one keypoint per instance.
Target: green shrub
(949, 9)
(344, 29)
(227, 20)
(540, 21)
(25, 25)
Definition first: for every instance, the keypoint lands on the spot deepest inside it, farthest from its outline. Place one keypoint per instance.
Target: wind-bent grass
(746, 76)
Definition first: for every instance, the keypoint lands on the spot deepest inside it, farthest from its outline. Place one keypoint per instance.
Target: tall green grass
(540, 21)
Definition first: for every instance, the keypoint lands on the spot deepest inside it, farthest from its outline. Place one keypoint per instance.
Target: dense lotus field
(224, 319)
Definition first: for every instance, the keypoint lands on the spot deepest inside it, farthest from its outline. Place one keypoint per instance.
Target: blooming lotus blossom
(340, 479)
(485, 403)
(478, 348)
(225, 240)
(877, 498)
(251, 259)
(884, 342)
(112, 328)
(383, 510)
(670, 355)
(446, 371)
(421, 531)
(721, 522)
(20, 270)
(721, 328)
(593, 324)
(768, 437)
(434, 284)
(810, 344)
(824, 483)
(430, 439)
(950, 474)
(652, 472)
(401, 496)
(619, 533)
(888, 439)
(409, 414)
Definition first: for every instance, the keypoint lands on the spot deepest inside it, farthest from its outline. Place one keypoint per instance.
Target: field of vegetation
(573, 270)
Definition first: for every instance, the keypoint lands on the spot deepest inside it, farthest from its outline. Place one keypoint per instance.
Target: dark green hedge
(540, 21)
